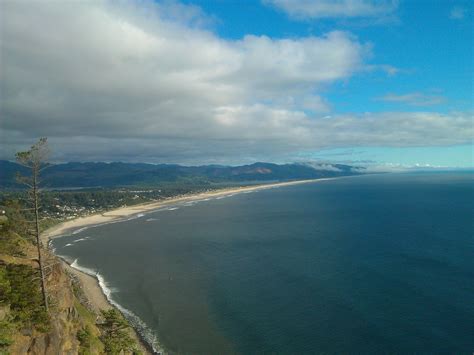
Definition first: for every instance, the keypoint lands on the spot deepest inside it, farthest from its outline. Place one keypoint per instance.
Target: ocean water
(371, 264)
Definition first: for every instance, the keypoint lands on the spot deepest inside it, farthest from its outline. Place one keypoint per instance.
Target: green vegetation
(23, 299)
(6, 333)
(21, 290)
(119, 175)
(115, 333)
(57, 206)
(34, 160)
(21, 304)
(11, 244)
(6, 328)
(85, 338)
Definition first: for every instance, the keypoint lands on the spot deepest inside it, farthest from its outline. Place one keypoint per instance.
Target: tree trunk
(38, 240)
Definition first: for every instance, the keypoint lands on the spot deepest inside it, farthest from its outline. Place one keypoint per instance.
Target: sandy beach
(90, 285)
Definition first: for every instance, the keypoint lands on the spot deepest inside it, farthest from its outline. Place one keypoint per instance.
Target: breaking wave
(145, 333)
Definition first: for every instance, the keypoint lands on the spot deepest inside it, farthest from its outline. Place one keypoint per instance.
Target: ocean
(368, 264)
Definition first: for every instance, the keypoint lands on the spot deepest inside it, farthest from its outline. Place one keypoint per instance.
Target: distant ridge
(118, 174)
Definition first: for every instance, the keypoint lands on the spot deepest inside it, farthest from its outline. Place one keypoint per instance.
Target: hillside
(72, 325)
(132, 174)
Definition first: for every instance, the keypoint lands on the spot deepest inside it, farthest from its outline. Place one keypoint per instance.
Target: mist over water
(363, 264)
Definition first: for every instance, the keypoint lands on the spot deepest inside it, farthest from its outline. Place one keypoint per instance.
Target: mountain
(117, 174)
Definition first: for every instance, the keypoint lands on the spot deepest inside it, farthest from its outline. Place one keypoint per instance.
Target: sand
(91, 289)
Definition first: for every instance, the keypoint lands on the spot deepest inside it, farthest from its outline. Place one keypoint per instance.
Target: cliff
(70, 327)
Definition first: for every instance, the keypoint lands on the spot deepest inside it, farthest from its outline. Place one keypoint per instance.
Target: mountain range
(118, 174)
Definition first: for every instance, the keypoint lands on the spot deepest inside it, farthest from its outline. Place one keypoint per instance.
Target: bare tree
(35, 159)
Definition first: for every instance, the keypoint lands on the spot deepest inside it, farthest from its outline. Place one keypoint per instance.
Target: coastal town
(64, 205)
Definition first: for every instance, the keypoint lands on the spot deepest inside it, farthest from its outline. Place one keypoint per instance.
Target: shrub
(115, 333)
(24, 296)
(84, 336)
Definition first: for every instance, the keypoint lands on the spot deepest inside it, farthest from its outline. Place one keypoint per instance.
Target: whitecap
(85, 270)
(145, 332)
(80, 230)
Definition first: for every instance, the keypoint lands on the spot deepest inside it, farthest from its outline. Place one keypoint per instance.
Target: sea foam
(146, 334)
(80, 230)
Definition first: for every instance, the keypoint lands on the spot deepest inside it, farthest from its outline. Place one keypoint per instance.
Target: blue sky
(383, 83)
(432, 50)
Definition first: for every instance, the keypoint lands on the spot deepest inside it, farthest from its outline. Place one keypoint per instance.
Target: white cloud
(308, 9)
(134, 81)
(457, 13)
(414, 99)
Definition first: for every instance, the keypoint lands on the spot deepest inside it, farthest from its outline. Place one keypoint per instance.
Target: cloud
(137, 81)
(414, 99)
(313, 9)
(245, 134)
(457, 13)
(390, 70)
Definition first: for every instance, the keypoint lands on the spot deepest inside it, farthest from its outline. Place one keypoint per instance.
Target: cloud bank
(139, 81)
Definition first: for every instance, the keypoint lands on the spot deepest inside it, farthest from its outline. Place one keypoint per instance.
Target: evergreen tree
(35, 159)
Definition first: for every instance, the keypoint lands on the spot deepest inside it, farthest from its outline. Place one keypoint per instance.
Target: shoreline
(94, 292)
(121, 213)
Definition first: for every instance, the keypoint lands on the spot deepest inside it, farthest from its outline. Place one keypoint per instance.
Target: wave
(151, 219)
(145, 333)
(194, 202)
(158, 209)
(131, 218)
(142, 214)
(80, 230)
(140, 326)
(104, 286)
(83, 269)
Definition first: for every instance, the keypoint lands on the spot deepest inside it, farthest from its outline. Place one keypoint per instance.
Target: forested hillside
(132, 174)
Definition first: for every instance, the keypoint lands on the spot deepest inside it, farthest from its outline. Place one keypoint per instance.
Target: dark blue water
(358, 265)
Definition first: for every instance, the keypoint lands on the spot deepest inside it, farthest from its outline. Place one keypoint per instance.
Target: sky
(379, 83)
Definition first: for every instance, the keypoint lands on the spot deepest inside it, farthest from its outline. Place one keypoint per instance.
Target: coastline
(123, 213)
(92, 289)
